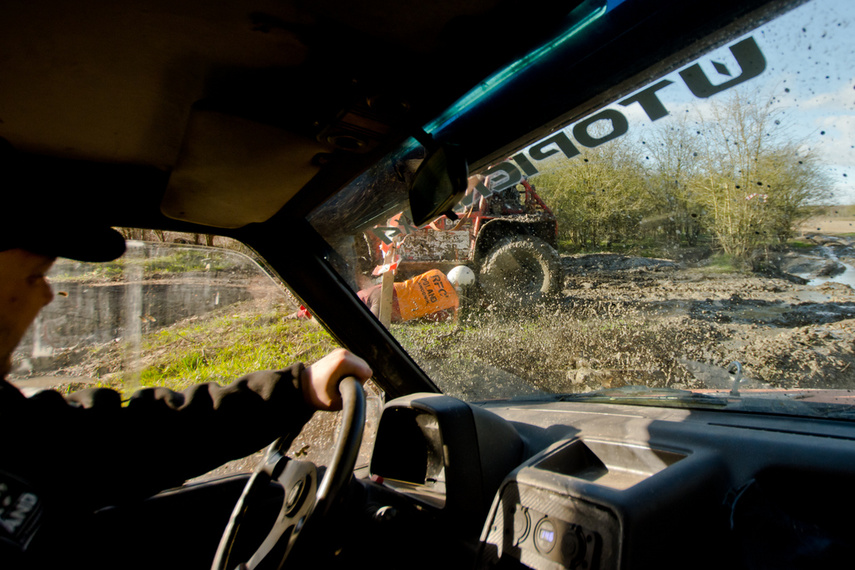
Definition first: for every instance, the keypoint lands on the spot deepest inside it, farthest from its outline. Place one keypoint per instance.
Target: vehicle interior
(296, 128)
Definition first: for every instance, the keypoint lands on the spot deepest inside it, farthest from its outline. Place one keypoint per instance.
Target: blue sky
(810, 73)
(810, 59)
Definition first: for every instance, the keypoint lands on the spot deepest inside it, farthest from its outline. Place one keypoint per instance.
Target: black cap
(57, 238)
(36, 218)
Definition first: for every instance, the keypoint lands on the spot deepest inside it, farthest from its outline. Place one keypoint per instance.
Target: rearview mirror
(439, 183)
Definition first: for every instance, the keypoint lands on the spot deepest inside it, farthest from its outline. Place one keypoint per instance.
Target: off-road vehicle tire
(521, 271)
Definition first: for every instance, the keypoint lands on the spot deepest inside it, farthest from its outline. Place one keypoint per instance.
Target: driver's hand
(320, 380)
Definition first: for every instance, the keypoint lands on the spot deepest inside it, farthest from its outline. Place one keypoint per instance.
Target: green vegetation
(836, 211)
(218, 348)
(178, 261)
(611, 345)
(733, 179)
(240, 347)
(724, 263)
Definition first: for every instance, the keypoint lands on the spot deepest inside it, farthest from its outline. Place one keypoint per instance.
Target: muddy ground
(675, 323)
(791, 326)
(784, 334)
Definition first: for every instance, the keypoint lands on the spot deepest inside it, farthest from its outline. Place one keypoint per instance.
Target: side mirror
(439, 183)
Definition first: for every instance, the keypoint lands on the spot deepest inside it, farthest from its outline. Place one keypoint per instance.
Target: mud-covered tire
(520, 271)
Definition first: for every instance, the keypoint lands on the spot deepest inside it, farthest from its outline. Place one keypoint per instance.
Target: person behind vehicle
(432, 295)
(64, 457)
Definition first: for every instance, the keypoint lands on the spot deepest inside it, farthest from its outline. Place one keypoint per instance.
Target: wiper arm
(670, 397)
(644, 395)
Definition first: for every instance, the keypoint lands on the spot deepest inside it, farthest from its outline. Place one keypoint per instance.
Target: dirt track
(785, 334)
(829, 225)
(624, 320)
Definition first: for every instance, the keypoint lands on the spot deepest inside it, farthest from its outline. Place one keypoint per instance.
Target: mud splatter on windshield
(700, 220)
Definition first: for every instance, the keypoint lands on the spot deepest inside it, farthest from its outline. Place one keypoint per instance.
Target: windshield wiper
(643, 395)
(670, 397)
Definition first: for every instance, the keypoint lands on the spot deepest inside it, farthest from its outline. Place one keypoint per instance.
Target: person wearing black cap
(64, 457)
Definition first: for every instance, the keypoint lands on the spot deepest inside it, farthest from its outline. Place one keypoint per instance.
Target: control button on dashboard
(544, 536)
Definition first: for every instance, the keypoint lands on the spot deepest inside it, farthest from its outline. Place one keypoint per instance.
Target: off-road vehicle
(508, 238)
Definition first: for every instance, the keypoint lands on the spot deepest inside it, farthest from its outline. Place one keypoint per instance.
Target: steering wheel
(304, 498)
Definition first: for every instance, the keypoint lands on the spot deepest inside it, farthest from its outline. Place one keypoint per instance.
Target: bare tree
(599, 196)
(756, 180)
(672, 153)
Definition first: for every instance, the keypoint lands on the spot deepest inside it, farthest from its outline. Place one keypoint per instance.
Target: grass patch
(228, 347)
(503, 356)
(648, 247)
(725, 263)
(218, 347)
(178, 262)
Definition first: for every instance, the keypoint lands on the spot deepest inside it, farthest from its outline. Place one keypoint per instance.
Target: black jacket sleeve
(89, 449)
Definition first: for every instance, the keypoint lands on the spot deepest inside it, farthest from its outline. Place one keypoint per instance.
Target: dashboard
(547, 484)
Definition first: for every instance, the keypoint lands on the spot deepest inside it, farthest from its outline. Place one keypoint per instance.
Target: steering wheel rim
(304, 498)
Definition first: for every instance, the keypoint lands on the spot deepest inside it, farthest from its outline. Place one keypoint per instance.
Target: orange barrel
(425, 294)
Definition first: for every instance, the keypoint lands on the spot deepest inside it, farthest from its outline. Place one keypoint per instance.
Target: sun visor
(233, 171)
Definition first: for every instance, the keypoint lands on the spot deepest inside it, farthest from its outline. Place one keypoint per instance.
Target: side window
(168, 314)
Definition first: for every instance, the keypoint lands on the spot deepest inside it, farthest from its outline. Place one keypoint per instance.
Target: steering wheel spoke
(299, 479)
(305, 497)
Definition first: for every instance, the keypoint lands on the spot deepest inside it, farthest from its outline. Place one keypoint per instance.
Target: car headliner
(211, 91)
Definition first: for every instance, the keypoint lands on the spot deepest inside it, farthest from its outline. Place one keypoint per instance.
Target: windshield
(696, 234)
